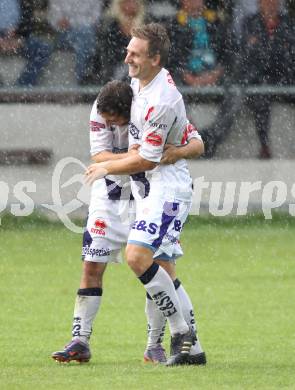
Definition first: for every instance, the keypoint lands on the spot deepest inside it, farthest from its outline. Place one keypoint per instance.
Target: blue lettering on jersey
(133, 130)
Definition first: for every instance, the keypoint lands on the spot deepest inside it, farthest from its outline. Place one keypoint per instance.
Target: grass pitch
(240, 274)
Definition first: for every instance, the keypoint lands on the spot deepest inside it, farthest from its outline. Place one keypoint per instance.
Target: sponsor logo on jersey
(154, 139)
(188, 130)
(150, 110)
(96, 126)
(158, 125)
(133, 130)
(99, 227)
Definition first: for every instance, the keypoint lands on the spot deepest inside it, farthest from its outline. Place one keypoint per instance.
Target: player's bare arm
(110, 156)
(172, 153)
(129, 165)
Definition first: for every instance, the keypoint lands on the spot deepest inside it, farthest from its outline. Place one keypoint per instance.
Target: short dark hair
(115, 98)
(158, 40)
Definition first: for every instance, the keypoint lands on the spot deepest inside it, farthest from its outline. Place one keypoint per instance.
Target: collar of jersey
(151, 83)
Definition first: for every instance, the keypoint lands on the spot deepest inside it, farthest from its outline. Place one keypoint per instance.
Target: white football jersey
(158, 116)
(113, 139)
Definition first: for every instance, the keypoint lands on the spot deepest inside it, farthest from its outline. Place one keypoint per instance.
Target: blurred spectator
(161, 11)
(290, 5)
(10, 13)
(220, 9)
(263, 49)
(19, 34)
(198, 46)
(76, 22)
(201, 55)
(264, 54)
(263, 59)
(243, 9)
(36, 32)
(114, 36)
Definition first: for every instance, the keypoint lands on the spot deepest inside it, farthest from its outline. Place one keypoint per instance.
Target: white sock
(188, 313)
(86, 308)
(186, 307)
(160, 287)
(156, 323)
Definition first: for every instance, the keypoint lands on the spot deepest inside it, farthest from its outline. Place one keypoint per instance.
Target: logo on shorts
(99, 227)
(171, 238)
(93, 252)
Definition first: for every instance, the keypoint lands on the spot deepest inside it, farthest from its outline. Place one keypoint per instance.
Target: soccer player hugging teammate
(108, 223)
(162, 192)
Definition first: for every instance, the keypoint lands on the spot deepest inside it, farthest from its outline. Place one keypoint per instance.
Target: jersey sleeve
(101, 137)
(158, 122)
(191, 132)
(133, 138)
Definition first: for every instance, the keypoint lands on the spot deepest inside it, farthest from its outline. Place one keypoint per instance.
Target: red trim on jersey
(95, 126)
(150, 110)
(188, 130)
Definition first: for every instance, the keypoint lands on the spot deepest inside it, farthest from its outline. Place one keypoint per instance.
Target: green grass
(240, 274)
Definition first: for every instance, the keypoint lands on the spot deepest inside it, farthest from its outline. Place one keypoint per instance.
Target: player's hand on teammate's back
(170, 155)
(95, 171)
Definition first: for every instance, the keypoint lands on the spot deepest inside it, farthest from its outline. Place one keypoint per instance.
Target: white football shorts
(158, 224)
(107, 229)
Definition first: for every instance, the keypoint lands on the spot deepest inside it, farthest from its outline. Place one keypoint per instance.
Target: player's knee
(132, 256)
(93, 271)
(138, 258)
